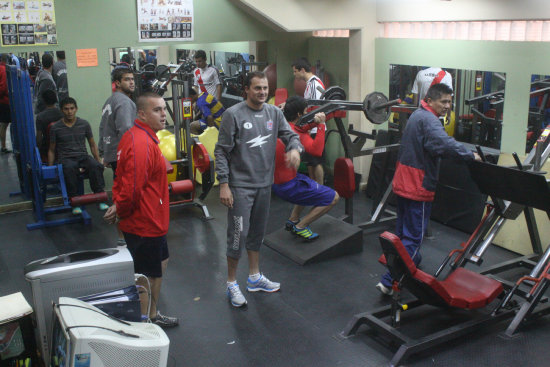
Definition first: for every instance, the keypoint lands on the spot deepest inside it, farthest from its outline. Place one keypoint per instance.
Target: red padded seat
(462, 288)
(344, 177)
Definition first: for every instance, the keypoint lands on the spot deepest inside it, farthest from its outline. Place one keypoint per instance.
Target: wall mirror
(478, 102)
(539, 109)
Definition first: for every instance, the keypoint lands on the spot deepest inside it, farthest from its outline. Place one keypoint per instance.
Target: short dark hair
(142, 99)
(60, 55)
(294, 107)
(66, 101)
(436, 91)
(200, 54)
(302, 63)
(126, 58)
(47, 61)
(253, 74)
(118, 73)
(49, 97)
(4, 58)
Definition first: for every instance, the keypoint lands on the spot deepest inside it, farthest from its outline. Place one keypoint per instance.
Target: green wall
(517, 59)
(104, 24)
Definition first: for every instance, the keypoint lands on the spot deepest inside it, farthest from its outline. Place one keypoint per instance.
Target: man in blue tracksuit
(424, 141)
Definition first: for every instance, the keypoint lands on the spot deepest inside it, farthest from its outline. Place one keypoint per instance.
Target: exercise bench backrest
(402, 268)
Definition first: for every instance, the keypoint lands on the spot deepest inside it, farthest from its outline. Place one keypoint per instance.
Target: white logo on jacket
(258, 141)
(247, 125)
(107, 109)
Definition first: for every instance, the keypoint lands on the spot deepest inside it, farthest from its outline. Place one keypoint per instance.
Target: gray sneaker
(262, 284)
(235, 296)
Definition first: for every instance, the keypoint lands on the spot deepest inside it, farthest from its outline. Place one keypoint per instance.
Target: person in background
(44, 121)
(206, 77)
(68, 139)
(425, 79)
(210, 110)
(117, 117)
(44, 80)
(314, 90)
(60, 75)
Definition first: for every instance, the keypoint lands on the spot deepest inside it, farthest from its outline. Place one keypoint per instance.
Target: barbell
(375, 106)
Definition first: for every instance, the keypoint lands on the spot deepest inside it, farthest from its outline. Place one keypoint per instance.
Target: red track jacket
(140, 190)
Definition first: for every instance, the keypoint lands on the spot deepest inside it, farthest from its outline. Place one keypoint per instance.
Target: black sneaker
(165, 321)
(5, 151)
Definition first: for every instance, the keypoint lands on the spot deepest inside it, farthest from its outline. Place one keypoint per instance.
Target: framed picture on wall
(164, 20)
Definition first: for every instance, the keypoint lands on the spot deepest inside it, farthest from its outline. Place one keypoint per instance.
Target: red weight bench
(461, 290)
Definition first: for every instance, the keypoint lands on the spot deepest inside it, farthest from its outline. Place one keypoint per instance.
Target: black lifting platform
(336, 238)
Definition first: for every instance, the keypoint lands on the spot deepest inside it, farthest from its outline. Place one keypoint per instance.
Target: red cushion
(201, 159)
(344, 177)
(462, 288)
(281, 95)
(403, 254)
(471, 290)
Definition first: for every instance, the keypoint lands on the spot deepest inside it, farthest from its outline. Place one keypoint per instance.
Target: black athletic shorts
(5, 114)
(312, 161)
(148, 253)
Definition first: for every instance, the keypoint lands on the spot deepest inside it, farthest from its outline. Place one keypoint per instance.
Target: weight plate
(334, 93)
(372, 113)
(162, 72)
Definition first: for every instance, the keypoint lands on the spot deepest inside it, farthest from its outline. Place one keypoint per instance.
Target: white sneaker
(384, 290)
(262, 284)
(235, 295)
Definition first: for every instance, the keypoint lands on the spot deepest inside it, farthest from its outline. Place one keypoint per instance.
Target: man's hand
(477, 157)
(110, 215)
(320, 118)
(292, 158)
(226, 196)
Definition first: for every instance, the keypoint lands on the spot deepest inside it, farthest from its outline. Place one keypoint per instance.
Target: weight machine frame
(355, 149)
(184, 142)
(35, 177)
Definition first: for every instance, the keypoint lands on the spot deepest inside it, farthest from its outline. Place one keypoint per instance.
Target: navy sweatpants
(412, 221)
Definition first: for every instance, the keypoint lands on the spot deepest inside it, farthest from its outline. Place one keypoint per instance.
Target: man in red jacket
(141, 202)
(297, 188)
(423, 143)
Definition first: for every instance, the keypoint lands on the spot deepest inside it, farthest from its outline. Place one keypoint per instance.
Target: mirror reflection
(231, 68)
(478, 103)
(539, 109)
(48, 71)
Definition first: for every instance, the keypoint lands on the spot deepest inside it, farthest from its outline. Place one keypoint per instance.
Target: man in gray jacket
(245, 161)
(44, 81)
(118, 116)
(60, 75)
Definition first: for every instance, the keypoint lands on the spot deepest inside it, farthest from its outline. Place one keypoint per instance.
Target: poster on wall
(28, 22)
(165, 20)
